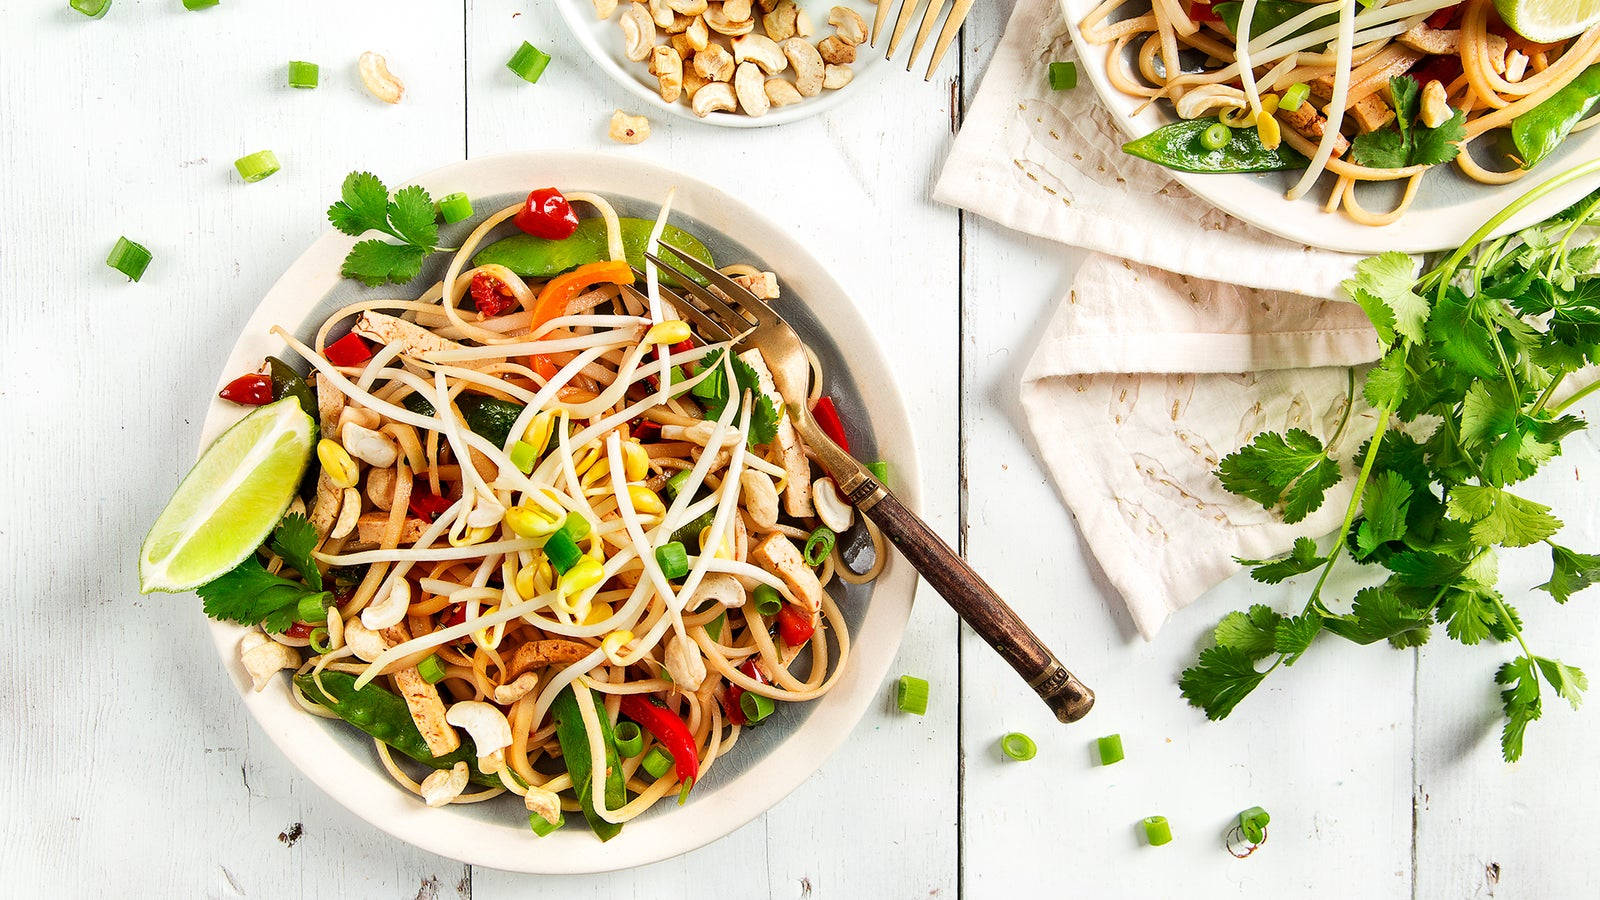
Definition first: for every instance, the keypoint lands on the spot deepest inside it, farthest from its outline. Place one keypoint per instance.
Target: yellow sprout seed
(1267, 127)
(599, 611)
(635, 461)
(645, 501)
(531, 522)
(472, 536)
(584, 574)
(538, 432)
(672, 331)
(614, 643)
(337, 463)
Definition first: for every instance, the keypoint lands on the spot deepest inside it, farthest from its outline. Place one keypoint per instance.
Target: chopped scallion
(528, 62)
(675, 484)
(257, 165)
(311, 608)
(1216, 136)
(563, 551)
(755, 706)
(1110, 749)
(455, 207)
(94, 9)
(629, 739)
(1294, 95)
(911, 695)
(523, 456)
(819, 546)
(657, 762)
(319, 640)
(576, 526)
(431, 669)
(303, 74)
(1018, 746)
(768, 600)
(1063, 76)
(1253, 824)
(129, 258)
(673, 560)
(541, 827)
(200, 4)
(880, 471)
(714, 627)
(1157, 831)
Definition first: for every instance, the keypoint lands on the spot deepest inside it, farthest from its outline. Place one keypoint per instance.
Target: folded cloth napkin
(1184, 334)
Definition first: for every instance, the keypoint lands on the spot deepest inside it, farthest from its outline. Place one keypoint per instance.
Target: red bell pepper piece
(795, 625)
(730, 697)
(349, 350)
(490, 295)
(1202, 12)
(428, 507)
(249, 390)
(671, 731)
(828, 420)
(547, 214)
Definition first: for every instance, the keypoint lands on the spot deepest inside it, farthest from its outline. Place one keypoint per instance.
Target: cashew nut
(349, 513)
(365, 643)
(545, 804)
(360, 415)
(680, 43)
(638, 32)
(714, 63)
(685, 664)
(1436, 109)
(688, 7)
(720, 22)
(1516, 66)
(848, 24)
(335, 628)
(835, 77)
(379, 81)
(371, 447)
(692, 83)
(807, 64)
(831, 508)
(627, 129)
(380, 488)
(698, 35)
(802, 24)
(760, 497)
(718, 587)
(765, 284)
(444, 785)
(389, 610)
(679, 24)
(264, 658)
(736, 10)
(604, 8)
(779, 24)
(1208, 98)
(667, 66)
(750, 87)
(781, 92)
(836, 50)
(761, 50)
(507, 694)
(661, 13)
(490, 731)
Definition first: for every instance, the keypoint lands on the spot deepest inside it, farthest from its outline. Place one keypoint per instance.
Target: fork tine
(878, 18)
(741, 299)
(907, 10)
(691, 313)
(952, 24)
(929, 17)
(707, 303)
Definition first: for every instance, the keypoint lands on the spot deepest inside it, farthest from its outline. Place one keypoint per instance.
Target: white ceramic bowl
(1448, 208)
(602, 40)
(769, 761)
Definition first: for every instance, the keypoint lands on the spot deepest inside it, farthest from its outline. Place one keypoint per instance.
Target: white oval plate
(1449, 207)
(602, 40)
(780, 755)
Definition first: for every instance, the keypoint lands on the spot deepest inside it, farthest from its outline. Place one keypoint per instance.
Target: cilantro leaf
(1440, 144)
(1295, 634)
(1379, 614)
(1405, 97)
(1252, 633)
(1520, 700)
(1381, 149)
(764, 415)
(373, 262)
(1290, 468)
(413, 217)
(1219, 680)
(1406, 141)
(1387, 381)
(1570, 572)
(1499, 517)
(363, 205)
(1302, 558)
(249, 595)
(1383, 509)
(294, 540)
(1383, 287)
(1469, 616)
(1569, 681)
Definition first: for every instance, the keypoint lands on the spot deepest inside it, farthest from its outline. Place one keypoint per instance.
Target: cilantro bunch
(1474, 352)
(250, 595)
(364, 206)
(1406, 141)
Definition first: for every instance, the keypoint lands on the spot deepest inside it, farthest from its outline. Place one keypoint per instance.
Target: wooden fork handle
(978, 605)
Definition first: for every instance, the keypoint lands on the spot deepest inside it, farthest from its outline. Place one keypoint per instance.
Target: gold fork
(739, 313)
(930, 16)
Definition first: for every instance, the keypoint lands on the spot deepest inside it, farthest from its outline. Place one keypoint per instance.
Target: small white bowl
(769, 761)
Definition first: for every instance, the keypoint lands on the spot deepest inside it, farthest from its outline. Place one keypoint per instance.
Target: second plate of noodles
(608, 580)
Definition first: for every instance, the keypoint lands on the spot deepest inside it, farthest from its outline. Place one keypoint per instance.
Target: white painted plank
(128, 761)
(879, 818)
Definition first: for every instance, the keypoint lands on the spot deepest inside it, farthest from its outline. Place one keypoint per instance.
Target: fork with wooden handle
(739, 313)
(930, 17)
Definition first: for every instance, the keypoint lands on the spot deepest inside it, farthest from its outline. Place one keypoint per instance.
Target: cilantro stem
(1455, 440)
(1511, 625)
(1582, 393)
(1559, 259)
(1505, 364)
(1349, 404)
(1548, 393)
(1355, 504)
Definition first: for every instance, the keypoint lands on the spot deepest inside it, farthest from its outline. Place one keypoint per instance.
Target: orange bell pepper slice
(563, 289)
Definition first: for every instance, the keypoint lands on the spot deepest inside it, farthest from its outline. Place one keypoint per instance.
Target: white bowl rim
(362, 787)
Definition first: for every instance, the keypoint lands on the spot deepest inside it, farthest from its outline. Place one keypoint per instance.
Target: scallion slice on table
(657, 762)
(303, 74)
(1110, 748)
(755, 706)
(431, 669)
(94, 9)
(911, 695)
(1019, 746)
(200, 4)
(768, 600)
(129, 258)
(257, 165)
(455, 207)
(1253, 824)
(528, 62)
(629, 739)
(1157, 831)
(1063, 76)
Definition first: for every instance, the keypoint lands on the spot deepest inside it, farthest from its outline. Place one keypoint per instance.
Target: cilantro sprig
(250, 595)
(714, 395)
(1474, 352)
(1406, 141)
(364, 206)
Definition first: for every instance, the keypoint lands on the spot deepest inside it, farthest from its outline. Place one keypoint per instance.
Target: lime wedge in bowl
(1546, 21)
(230, 501)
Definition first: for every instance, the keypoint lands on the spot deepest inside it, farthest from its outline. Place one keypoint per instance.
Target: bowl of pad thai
(538, 576)
(1362, 127)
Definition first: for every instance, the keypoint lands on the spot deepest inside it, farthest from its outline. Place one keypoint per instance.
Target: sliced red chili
(301, 630)
(548, 215)
(427, 506)
(667, 728)
(646, 430)
(490, 296)
(828, 420)
(795, 625)
(1202, 12)
(250, 390)
(349, 350)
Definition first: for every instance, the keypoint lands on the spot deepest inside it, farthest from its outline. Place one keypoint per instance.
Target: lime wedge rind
(230, 501)
(1548, 21)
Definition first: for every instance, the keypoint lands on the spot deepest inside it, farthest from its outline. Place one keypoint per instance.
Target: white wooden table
(130, 769)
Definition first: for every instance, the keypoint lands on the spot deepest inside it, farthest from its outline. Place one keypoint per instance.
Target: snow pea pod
(1177, 146)
(286, 382)
(574, 740)
(1269, 14)
(1537, 132)
(536, 257)
(384, 716)
(490, 417)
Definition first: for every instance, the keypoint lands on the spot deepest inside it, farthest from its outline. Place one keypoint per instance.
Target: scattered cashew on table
(746, 56)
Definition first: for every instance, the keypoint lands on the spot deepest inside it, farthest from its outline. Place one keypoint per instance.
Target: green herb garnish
(409, 218)
(714, 395)
(250, 595)
(1406, 141)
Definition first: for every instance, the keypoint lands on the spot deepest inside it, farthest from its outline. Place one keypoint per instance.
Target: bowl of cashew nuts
(737, 63)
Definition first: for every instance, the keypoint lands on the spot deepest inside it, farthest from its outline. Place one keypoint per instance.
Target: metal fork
(738, 312)
(930, 15)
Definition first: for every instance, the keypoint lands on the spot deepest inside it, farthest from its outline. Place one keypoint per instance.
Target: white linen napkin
(1183, 335)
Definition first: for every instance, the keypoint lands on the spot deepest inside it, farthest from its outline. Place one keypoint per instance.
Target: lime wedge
(230, 501)
(1546, 21)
